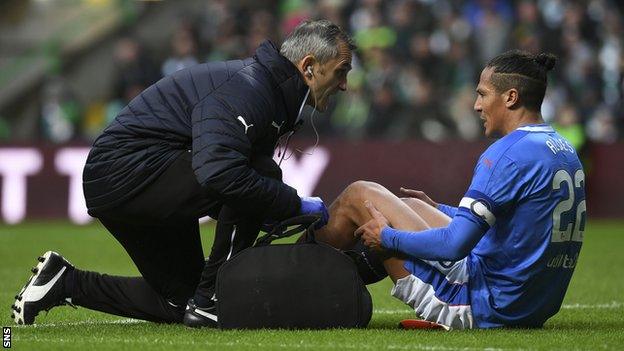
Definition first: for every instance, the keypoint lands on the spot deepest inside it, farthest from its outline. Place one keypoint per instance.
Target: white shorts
(437, 291)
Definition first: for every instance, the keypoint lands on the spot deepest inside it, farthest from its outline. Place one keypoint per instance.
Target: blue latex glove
(314, 205)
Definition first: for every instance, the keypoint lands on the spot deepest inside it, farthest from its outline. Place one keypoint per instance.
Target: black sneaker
(43, 290)
(200, 317)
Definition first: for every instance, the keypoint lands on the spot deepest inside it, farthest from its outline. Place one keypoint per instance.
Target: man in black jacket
(196, 143)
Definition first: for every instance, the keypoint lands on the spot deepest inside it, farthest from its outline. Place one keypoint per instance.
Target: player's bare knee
(351, 196)
(352, 193)
(363, 190)
(415, 204)
(350, 204)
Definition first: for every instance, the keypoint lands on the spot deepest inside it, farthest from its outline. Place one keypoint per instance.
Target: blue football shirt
(528, 193)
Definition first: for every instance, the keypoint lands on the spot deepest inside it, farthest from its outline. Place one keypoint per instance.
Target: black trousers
(159, 229)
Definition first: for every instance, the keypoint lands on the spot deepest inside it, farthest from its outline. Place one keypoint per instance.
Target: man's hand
(314, 205)
(371, 230)
(417, 194)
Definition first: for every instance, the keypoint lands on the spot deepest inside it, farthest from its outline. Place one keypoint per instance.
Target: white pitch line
(87, 322)
(392, 311)
(601, 306)
(577, 306)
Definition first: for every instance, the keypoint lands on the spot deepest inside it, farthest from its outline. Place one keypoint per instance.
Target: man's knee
(350, 204)
(353, 197)
(360, 190)
(416, 205)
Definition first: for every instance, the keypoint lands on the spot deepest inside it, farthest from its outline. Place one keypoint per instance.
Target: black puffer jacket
(225, 112)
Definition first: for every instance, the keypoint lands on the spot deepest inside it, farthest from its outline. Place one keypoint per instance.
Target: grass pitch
(592, 317)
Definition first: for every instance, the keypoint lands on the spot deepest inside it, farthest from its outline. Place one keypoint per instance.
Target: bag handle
(303, 223)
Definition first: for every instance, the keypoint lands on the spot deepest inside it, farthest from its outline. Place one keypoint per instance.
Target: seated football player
(505, 255)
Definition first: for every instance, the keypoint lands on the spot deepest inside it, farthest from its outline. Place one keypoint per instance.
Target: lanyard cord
(284, 146)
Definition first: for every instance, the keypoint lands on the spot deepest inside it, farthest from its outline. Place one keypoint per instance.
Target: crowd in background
(415, 69)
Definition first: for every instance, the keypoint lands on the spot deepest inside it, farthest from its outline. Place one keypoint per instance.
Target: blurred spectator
(184, 50)
(402, 16)
(529, 29)
(352, 110)
(95, 119)
(366, 16)
(5, 129)
(490, 20)
(567, 123)
(461, 111)
(293, 12)
(332, 10)
(134, 71)
(601, 126)
(216, 14)
(60, 112)
(611, 56)
(261, 28)
(229, 44)
(384, 108)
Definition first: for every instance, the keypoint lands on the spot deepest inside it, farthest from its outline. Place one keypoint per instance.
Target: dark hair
(525, 72)
(320, 38)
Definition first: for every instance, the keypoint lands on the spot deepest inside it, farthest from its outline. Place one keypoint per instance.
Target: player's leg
(345, 210)
(347, 213)
(447, 281)
(431, 215)
(437, 291)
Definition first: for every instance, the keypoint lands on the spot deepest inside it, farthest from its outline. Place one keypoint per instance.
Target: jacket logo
(242, 120)
(278, 126)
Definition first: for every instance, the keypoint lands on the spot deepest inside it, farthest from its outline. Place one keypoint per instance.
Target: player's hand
(371, 230)
(420, 195)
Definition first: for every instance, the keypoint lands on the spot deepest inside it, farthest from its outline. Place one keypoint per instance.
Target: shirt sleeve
(450, 243)
(447, 210)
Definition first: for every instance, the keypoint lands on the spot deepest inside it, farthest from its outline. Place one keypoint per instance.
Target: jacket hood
(287, 78)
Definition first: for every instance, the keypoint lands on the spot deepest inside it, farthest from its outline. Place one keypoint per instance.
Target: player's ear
(511, 97)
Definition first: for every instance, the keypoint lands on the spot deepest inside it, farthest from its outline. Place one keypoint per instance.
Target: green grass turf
(592, 316)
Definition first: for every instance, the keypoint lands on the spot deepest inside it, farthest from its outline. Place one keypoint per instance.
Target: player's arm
(448, 210)
(418, 194)
(449, 243)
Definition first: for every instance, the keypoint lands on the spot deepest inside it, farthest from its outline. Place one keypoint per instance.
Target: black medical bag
(305, 285)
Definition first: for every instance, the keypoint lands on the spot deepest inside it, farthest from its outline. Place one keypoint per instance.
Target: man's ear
(305, 66)
(511, 97)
